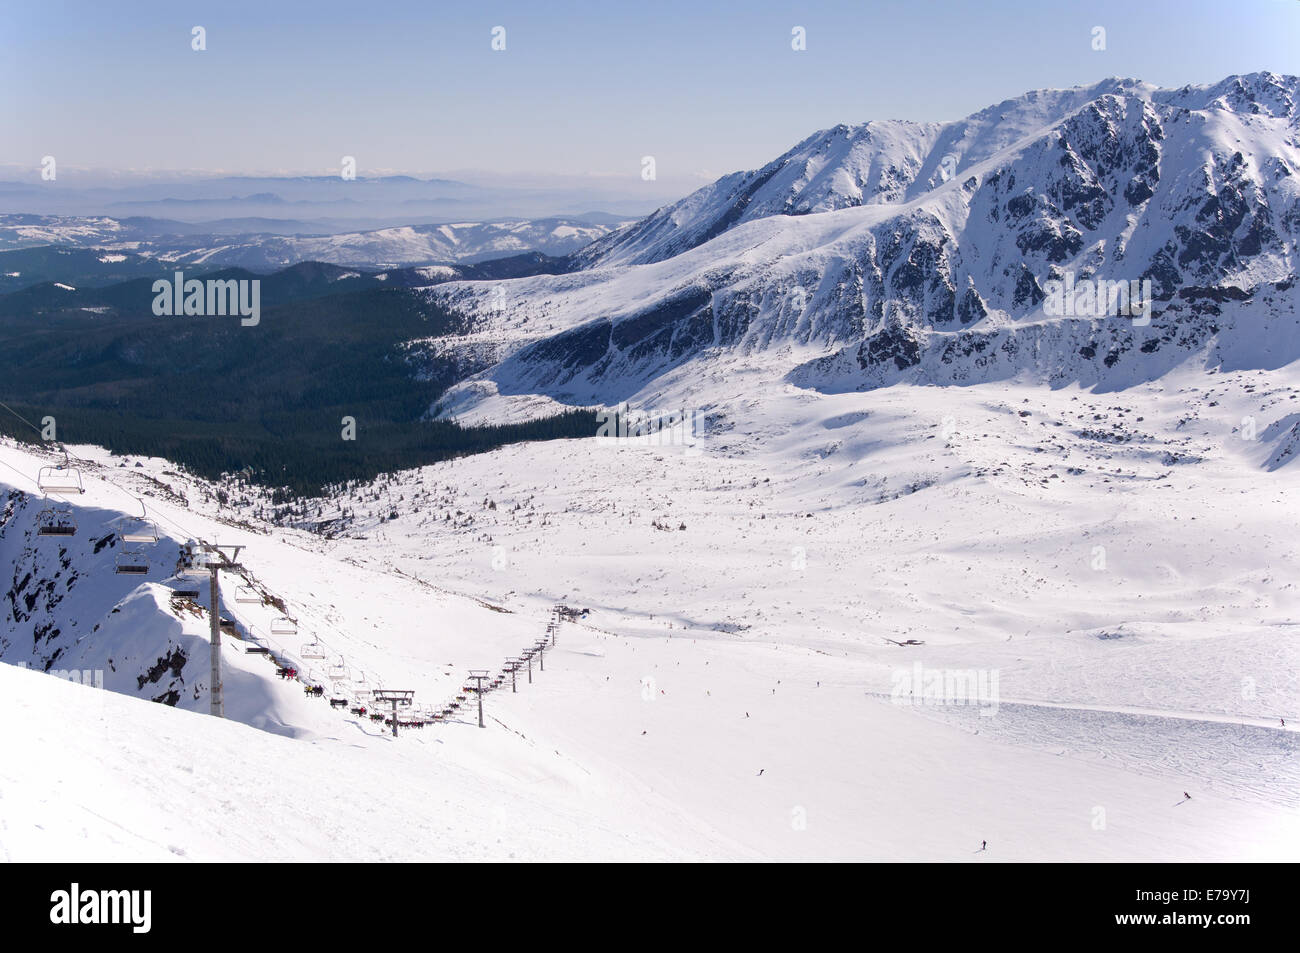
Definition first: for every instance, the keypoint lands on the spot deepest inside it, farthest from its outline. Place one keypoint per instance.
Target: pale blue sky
(705, 87)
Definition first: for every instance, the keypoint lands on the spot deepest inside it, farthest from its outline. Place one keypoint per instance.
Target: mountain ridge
(1190, 189)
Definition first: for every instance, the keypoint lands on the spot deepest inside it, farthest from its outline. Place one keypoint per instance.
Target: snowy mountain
(465, 242)
(916, 469)
(889, 252)
(268, 245)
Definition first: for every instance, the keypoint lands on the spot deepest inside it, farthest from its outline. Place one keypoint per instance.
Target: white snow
(752, 640)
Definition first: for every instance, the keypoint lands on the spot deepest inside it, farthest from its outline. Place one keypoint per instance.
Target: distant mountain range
(101, 251)
(866, 256)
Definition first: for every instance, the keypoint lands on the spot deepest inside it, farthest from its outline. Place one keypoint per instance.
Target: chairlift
(56, 520)
(312, 650)
(284, 626)
(64, 480)
(132, 563)
(194, 560)
(247, 595)
(339, 672)
(138, 529)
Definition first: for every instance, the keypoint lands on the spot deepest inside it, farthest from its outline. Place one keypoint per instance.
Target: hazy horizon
(581, 93)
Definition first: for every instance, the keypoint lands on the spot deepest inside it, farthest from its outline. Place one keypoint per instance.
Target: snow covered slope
(1123, 564)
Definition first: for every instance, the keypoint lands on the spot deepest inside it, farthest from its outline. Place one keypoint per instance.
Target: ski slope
(719, 702)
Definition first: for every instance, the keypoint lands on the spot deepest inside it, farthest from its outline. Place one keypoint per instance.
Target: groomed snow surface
(1122, 563)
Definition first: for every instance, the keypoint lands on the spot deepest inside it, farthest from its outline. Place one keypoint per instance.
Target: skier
(984, 845)
(1186, 796)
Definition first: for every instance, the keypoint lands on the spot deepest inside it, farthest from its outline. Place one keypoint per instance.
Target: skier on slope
(1186, 796)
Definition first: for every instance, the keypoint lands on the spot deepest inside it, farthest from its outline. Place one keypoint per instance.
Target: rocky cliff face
(67, 611)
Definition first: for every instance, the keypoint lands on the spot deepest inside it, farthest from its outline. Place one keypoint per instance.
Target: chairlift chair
(339, 672)
(247, 595)
(132, 563)
(56, 520)
(312, 650)
(137, 529)
(284, 626)
(194, 561)
(64, 480)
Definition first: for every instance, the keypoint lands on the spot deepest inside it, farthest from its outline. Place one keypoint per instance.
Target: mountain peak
(884, 162)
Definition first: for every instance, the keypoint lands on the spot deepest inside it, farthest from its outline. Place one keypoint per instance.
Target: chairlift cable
(20, 416)
(70, 458)
(22, 474)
